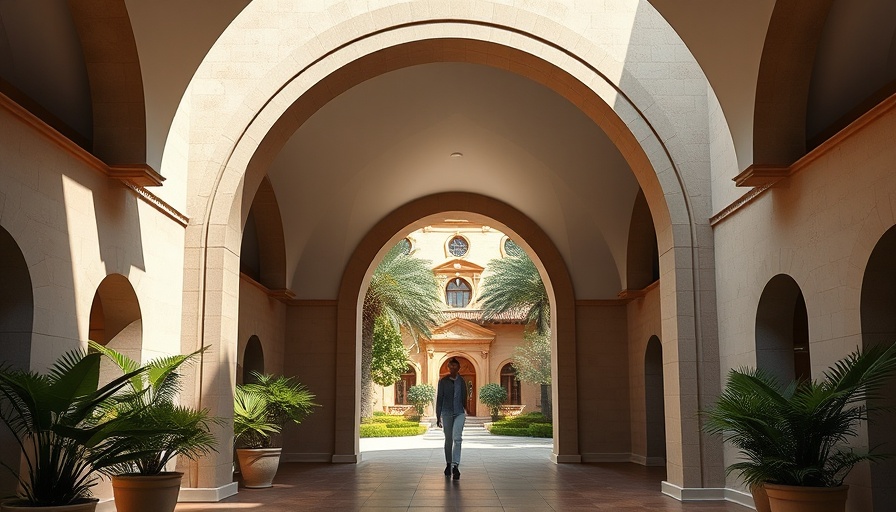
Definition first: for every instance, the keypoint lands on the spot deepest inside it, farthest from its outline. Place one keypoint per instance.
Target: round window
(458, 246)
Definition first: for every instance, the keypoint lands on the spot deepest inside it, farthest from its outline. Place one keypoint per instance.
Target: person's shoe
(448, 470)
(455, 472)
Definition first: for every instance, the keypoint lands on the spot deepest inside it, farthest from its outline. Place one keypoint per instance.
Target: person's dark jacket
(442, 392)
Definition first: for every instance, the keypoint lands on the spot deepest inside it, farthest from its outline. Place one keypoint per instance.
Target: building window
(407, 380)
(458, 246)
(511, 384)
(458, 293)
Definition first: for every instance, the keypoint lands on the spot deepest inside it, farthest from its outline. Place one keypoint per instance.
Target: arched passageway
(237, 150)
(253, 359)
(878, 312)
(782, 330)
(116, 322)
(654, 397)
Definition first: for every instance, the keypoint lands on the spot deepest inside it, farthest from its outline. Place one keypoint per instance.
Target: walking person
(451, 415)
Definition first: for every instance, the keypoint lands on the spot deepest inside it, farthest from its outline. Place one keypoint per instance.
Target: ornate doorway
(468, 373)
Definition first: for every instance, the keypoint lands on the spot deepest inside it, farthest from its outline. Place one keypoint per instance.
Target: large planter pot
(146, 493)
(791, 498)
(87, 505)
(258, 466)
(760, 498)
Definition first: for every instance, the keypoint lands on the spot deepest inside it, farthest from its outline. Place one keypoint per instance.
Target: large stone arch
(521, 229)
(224, 150)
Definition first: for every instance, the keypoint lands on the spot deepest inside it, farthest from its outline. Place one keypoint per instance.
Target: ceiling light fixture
(456, 154)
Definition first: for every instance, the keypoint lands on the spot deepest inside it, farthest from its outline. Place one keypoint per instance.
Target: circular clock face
(458, 246)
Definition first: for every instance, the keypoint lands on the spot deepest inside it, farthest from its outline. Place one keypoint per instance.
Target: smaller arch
(654, 404)
(782, 330)
(263, 246)
(469, 372)
(253, 359)
(16, 326)
(511, 384)
(877, 304)
(458, 293)
(116, 322)
(407, 380)
(642, 257)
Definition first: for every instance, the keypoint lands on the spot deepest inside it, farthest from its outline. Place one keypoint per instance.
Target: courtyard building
(702, 185)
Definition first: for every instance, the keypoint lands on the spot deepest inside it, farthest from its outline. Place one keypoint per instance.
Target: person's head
(453, 366)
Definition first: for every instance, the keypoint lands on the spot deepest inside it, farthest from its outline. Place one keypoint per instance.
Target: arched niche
(116, 322)
(16, 324)
(782, 330)
(263, 249)
(642, 257)
(878, 312)
(253, 359)
(654, 404)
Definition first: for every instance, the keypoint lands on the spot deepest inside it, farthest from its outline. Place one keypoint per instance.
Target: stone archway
(782, 330)
(233, 142)
(116, 322)
(468, 373)
(522, 230)
(878, 303)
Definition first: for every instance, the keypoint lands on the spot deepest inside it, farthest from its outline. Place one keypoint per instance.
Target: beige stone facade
(702, 186)
(485, 347)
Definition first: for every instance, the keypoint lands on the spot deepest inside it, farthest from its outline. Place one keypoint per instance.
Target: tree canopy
(390, 357)
(515, 285)
(403, 290)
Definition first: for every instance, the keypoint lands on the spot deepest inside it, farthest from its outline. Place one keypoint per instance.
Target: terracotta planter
(760, 498)
(88, 505)
(258, 466)
(791, 498)
(146, 493)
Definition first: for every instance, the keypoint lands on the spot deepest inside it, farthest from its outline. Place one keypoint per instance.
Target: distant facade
(460, 252)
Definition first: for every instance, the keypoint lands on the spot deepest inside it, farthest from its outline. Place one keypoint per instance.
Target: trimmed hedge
(386, 419)
(541, 430)
(533, 424)
(392, 429)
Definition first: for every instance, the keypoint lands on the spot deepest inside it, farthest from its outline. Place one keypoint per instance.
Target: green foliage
(493, 396)
(514, 284)
(421, 395)
(532, 360)
(390, 358)
(541, 430)
(527, 425)
(798, 434)
(392, 429)
(59, 422)
(161, 429)
(404, 290)
(283, 401)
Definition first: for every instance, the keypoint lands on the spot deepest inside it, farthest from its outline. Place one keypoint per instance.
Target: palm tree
(515, 285)
(404, 290)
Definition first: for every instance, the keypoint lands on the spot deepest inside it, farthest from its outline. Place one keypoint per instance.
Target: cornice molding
(133, 176)
(763, 176)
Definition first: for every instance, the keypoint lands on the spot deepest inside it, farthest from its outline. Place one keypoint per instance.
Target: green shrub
(403, 424)
(386, 419)
(421, 395)
(388, 430)
(541, 430)
(499, 430)
(379, 413)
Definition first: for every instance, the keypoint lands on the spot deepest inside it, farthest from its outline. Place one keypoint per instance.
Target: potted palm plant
(58, 422)
(260, 411)
(162, 430)
(793, 439)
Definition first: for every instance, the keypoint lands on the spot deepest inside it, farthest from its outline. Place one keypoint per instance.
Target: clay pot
(87, 505)
(792, 498)
(146, 493)
(760, 498)
(258, 466)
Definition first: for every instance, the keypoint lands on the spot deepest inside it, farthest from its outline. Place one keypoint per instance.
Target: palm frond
(514, 284)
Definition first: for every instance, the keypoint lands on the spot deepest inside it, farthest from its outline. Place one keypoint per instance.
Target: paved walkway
(498, 474)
